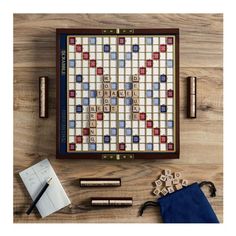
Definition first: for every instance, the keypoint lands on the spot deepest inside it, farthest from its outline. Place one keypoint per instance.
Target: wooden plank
(136, 182)
(201, 35)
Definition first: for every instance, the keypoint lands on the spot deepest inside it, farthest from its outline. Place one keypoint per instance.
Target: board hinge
(117, 157)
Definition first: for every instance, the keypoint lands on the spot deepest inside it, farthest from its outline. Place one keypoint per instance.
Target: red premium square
(85, 55)
(85, 131)
(142, 71)
(162, 48)
(149, 63)
(92, 63)
(121, 146)
(156, 131)
(121, 40)
(170, 93)
(79, 139)
(169, 40)
(163, 139)
(99, 116)
(155, 55)
(99, 71)
(170, 146)
(142, 116)
(72, 146)
(79, 48)
(71, 93)
(149, 124)
(71, 40)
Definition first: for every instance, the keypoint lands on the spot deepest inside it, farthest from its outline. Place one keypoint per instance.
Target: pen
(38, 197)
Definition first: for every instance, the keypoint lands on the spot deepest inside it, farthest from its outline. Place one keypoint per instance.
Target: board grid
(90, 60)
(121, 93)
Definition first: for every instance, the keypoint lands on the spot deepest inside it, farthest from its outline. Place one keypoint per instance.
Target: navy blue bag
(187, 205)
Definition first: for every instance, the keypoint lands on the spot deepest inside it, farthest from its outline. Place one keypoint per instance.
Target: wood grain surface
(201, 139)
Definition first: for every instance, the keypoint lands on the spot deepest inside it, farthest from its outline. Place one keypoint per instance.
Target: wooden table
(201, 55)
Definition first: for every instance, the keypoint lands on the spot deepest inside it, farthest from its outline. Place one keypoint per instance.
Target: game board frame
(116, 155)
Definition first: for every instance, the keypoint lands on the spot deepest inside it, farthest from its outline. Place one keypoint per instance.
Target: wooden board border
(154, 31)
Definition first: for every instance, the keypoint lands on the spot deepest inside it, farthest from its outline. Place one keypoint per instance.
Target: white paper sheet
(35, 177)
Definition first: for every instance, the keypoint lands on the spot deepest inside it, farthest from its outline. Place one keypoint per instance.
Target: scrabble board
(117, 93)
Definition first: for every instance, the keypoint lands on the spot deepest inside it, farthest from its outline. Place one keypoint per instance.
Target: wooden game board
(117, 93)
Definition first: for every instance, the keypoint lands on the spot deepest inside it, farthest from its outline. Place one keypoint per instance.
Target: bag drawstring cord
(211, 187)
(147, 204)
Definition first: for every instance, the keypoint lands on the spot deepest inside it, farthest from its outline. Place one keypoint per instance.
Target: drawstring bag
(187, 205)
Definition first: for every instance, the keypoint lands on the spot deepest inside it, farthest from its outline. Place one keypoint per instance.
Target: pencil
(38, 197)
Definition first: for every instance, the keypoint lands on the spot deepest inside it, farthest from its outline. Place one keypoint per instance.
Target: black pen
(38, 197)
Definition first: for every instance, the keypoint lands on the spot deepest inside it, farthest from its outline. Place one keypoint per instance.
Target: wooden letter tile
(167, 172)
(169, 177)
(106, 78)
(99, 108)
(175, 181)
(121, 93)
(92, 124)
(163, 178)
(113, 93)
(135, 78)
(106, 108)
(184, 183)
(178, 186)
(92, 108)
(170, 189)
(135, 85)
(158, 183)
(92, 131)
(92, 139)
(128, 93)
(135, 108)
(107, 93)
(113, 108)
(92, 116)
(177, 175)
(135, 101)
(135, 116)
(100, 93)
(164, 191)
(135, 93)
(106, 101)
(168, 183)
(106, 86)
(156, 191)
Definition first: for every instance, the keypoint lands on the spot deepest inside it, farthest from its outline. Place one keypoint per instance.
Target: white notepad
(35, 177)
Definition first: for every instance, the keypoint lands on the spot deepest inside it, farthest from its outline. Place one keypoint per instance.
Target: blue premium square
(85, 101)
(128, 86)
(113, 132)
(149, 146)
(128, 56)
(163, 108)
(170, 123)
(106, 48)
(86, 86)
(156, 101)
(93, 93)
(128, 101)
(163, 78)
(169, 63)
(92, 146)
(135, 48)
(156, 86)
(121, 63)
(72, 124)
(149, 93)
(79, 78)
(71, 63)
(128, 131)
(122, 124)
(79, 108)
(149, 40)
(92, 40)
(107, 139)
(114, 86)
(113, 101)
(135, 139)
(113, 56)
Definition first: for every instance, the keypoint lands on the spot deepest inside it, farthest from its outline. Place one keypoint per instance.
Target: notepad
(35, 178)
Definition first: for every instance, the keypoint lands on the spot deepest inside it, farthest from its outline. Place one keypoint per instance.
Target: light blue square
(156, 86)
(93, 93)
(92, 146)
(128, 86)
(92, 40)
(128, 131)
(149, 93)
(86, 86)
(149, 146)
(156, 101)
(114, 86)
(113, 101)
(122, 124)
(128, 56)
(72, 124)
(72, 63)
(149, 40)
(121, 63)
(169, 63)
(113, 132)
(128, 101)
(113, 55)
(85, 101)
(170, 123)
